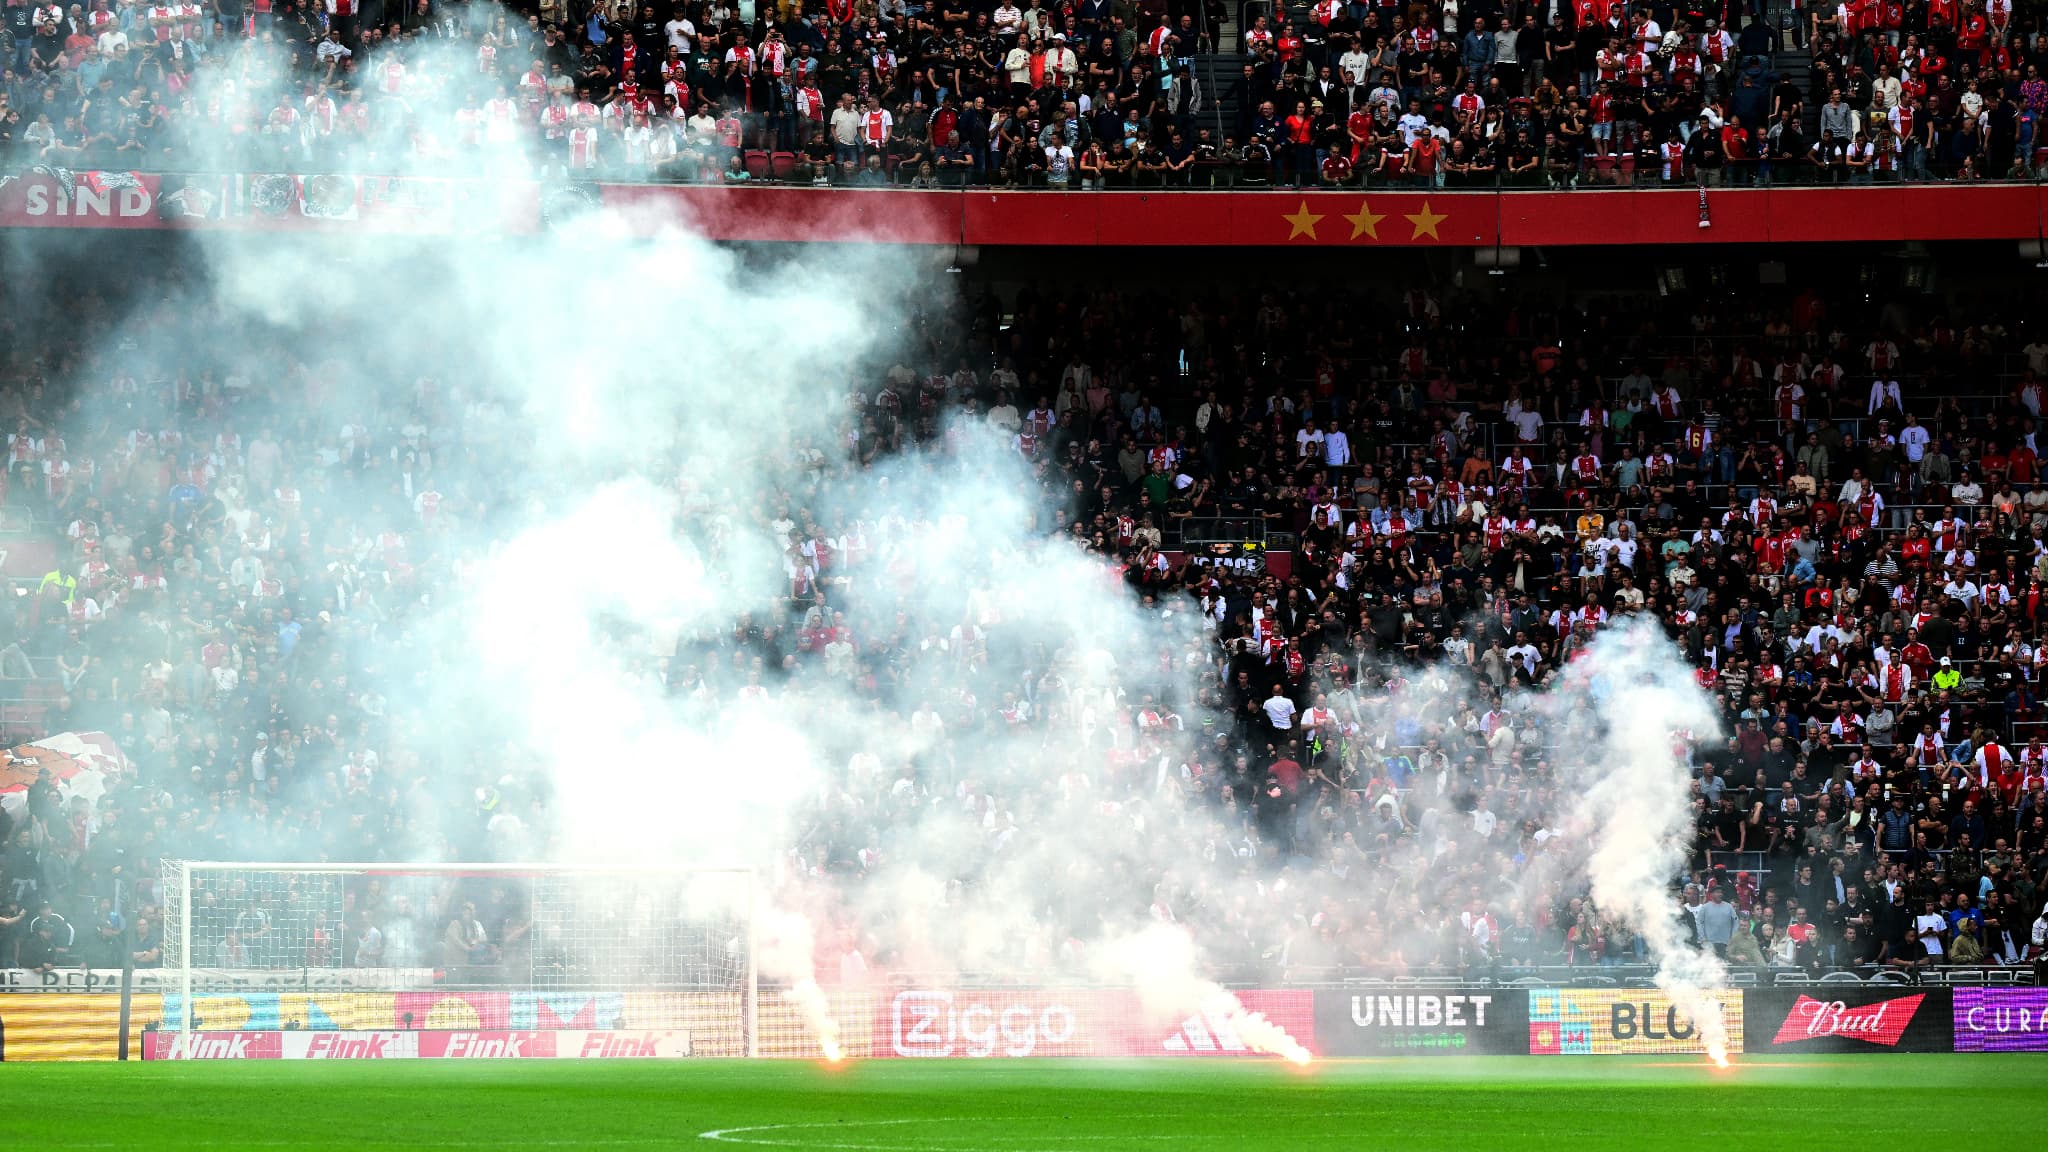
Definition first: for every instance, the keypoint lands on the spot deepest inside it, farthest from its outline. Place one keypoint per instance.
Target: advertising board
(66, 1025)
(1410, 1022)
(981, 1023)
(1621, 1021)
(1847, 1019)
(556, 1045)
(2001, 1019)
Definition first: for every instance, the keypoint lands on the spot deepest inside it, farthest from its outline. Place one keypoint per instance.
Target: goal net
(493, 947)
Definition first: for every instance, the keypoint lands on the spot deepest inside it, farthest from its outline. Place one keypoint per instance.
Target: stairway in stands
(1795, 63)
(1218, 73)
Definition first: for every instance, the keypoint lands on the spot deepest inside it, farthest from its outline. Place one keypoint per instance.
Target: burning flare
(817, 1012)
(787, 955)
(1161, 961)
(1258, 1033)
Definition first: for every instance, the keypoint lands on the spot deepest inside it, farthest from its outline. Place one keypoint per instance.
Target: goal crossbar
(601, 934)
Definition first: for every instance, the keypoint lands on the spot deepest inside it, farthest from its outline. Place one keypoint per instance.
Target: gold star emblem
(1425, 222)
(1365, 222)
(1302, 223)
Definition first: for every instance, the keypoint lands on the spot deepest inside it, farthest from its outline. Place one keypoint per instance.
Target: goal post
(673, 947)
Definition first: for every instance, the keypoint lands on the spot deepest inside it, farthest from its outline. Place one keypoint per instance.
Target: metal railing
(1505, 974)
(1201, 531)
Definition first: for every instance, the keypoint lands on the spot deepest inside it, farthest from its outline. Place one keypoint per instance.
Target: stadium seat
(21, 722)
(756, 163)
(782, 166)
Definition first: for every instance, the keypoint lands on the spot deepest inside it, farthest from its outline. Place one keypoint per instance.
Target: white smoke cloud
(622, 419)
(1635, 708)
(1162, 962)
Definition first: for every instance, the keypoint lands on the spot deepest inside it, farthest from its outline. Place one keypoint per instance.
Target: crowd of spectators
(1835, 511)
(1099, 93)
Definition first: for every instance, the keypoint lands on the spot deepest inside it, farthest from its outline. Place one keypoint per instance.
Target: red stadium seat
(782, 165)
(756, 162)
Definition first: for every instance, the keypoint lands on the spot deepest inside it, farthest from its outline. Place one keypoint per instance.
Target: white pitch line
(741, 1135)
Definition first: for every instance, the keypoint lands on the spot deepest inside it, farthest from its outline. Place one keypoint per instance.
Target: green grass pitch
(1879, 1101)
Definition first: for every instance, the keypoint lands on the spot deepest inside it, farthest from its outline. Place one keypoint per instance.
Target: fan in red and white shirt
(1991, 766)
(1494, 532)
(533, 89)
(283, 119)
(1895, 682)
(469, 127)
(1517, 469)
(23, 447)
(2033, 761)
(56, 477)
(554, 121)
(322, 114)
(500, 118)
(85, 533)
(1994, 593)
(1948, 532)
(1791, 400)
(1928, 751)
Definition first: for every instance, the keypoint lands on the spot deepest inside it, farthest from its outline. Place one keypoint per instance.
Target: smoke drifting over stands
(411, 551)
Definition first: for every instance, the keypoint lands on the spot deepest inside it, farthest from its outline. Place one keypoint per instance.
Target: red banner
(936, 1023)
(258, 202)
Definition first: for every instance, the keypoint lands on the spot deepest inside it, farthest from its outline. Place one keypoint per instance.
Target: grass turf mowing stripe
(1450, 1103)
